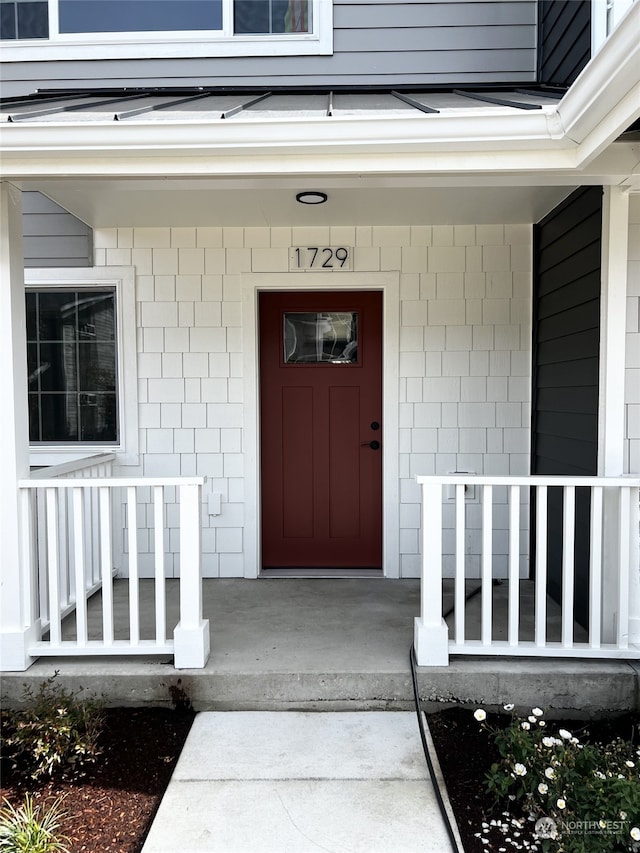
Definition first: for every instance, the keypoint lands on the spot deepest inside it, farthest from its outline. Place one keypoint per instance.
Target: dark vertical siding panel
(566, 345)
(52, 236)
(564, 40)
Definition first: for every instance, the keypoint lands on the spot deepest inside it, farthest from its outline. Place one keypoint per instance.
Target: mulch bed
(466, 753)
(111, 808)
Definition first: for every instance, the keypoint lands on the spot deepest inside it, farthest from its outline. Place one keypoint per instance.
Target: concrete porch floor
(328, 644)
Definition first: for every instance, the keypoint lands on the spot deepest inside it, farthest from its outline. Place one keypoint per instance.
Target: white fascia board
(46, 149)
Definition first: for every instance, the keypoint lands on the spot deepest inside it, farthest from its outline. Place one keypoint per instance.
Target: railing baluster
(486, 630)
(158, 522)
(55, 625)
(95, 542)
(568, 569)
(41, 554)
(541, 567)
(624, 563)
(63, 564)
(514, 565)
(78, 552)
(460, 579)
(106, 565)
(595, 574)
(134, 590)
(30, 587)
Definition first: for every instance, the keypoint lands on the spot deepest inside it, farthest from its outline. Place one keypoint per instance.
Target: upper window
(149, 28)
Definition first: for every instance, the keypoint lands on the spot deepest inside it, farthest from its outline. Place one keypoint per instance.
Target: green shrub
(55, 733)
(585, 798)
(32, 829)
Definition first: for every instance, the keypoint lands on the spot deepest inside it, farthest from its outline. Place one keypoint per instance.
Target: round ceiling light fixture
(311, 197)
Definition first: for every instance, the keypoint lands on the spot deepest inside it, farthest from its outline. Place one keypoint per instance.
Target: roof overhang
(560, 144)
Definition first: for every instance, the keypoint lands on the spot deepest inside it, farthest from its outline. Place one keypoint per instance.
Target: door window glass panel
(253, 17)
(136, 16)
(321, 336)
(71, 351)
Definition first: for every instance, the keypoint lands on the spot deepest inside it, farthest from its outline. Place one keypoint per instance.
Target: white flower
(532, 719)
(526, 726)
(547, 741)
(565, 734)
(509, 707)
(635, 833)
(599, 774)
(623, 815)
(542, 788)
(520, 770)
(561, 804)
(537, 712)
(630, 764)
(550, 773)
(542, 723)
(480, 715)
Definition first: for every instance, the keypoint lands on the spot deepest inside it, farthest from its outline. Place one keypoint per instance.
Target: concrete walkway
(300, 782)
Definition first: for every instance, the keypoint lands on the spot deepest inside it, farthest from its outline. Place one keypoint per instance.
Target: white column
(17, 627)
(191, 634)
(611, 408)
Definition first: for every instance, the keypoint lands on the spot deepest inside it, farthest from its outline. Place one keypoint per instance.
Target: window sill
(42, 50)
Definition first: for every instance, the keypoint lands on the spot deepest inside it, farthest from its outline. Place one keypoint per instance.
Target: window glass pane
(327, 336)
(72, 362)
(25, 19)
(121, 16)
(271, 16)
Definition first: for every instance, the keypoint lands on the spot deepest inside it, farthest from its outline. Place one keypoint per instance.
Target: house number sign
(320, 258)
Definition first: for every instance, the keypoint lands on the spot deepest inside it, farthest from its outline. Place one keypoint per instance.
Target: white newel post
(18, 628)
(191, 635)
(431, 633)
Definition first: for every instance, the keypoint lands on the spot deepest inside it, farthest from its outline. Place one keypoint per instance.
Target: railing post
(191, 635)
(431, 633)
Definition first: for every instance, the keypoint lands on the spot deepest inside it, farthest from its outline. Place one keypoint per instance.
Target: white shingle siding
(464, 341)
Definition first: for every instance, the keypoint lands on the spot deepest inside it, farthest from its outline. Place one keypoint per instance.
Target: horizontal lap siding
(375, 43)
(566, 334)
(53, 237)
(566, 345)
(564, 40)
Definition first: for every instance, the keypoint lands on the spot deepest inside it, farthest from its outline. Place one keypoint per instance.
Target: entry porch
(327, 644)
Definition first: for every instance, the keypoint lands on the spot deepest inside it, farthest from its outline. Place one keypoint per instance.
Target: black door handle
(374, 445)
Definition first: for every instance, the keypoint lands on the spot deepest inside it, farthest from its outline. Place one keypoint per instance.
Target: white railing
(96, 466)
(475, 529)
(76, 519)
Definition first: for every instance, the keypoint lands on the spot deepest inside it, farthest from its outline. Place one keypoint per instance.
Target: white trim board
(389, 284)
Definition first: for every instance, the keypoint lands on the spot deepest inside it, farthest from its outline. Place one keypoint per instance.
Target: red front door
(321, 429)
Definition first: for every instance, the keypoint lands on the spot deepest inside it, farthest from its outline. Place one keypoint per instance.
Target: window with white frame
(80, 334)
(67, 28)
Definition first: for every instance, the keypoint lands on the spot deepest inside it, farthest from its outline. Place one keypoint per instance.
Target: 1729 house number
(320, 258)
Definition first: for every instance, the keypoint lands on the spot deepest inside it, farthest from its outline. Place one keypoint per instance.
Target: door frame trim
(389, 284)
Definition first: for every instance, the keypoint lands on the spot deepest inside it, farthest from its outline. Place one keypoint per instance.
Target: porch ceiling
(268, 203)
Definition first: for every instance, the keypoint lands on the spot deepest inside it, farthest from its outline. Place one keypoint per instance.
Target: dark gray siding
(566, 346)
(52, 236)
(564, 40)
(376, 42)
